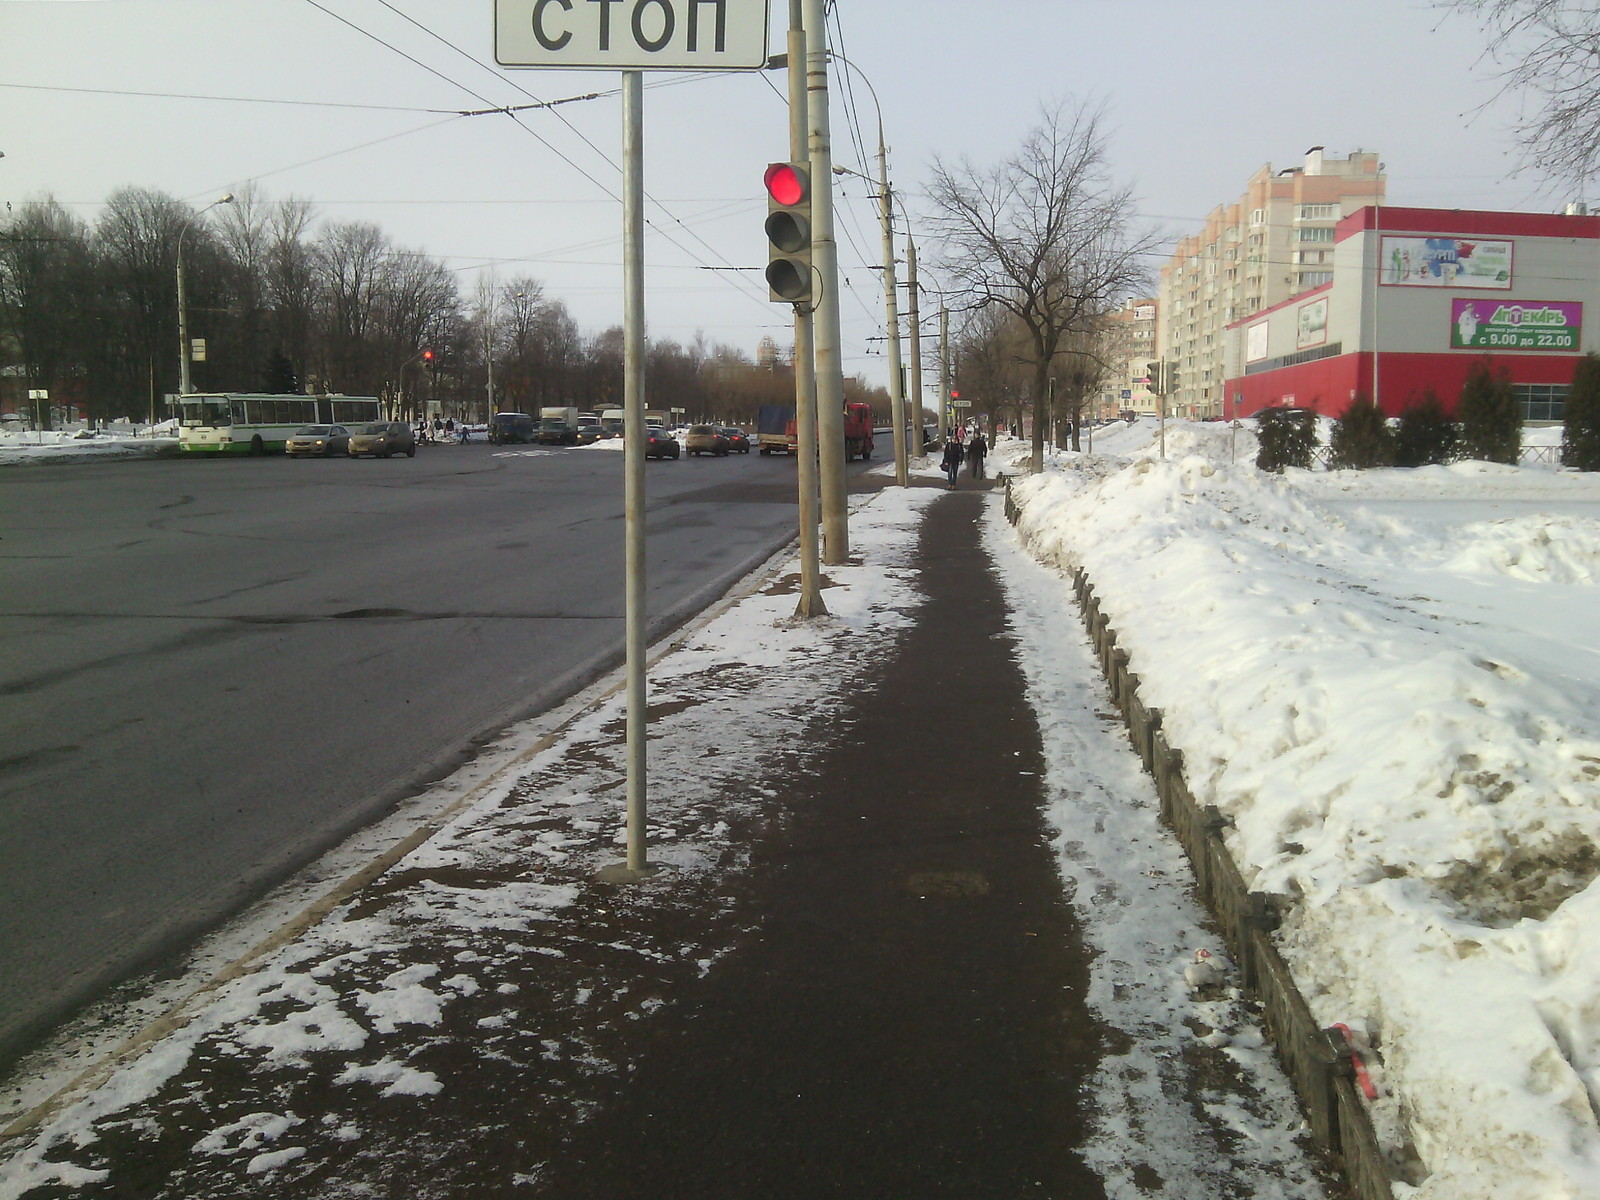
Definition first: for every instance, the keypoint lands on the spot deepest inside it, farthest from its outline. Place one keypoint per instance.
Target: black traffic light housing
(1153, 371)
(789, 273)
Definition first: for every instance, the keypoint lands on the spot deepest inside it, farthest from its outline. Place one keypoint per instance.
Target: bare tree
(1548, 49)
(291, 278)
(44, 281)
(1046, 235)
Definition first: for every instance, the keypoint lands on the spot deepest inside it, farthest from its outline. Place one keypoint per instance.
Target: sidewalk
(859, 975)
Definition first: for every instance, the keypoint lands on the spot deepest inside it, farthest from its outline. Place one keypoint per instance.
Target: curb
(1317, 1061)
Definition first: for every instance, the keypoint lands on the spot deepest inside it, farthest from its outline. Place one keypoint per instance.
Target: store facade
(1418, 296)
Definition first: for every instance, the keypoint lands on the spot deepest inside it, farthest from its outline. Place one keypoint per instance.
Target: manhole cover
(947, 883)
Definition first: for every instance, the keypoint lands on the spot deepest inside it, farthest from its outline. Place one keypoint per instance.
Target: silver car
(318, 441)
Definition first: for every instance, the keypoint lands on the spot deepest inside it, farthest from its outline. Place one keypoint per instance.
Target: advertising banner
(1446, 262)
(1312, 325)
(1524, 325)
(1255, 342)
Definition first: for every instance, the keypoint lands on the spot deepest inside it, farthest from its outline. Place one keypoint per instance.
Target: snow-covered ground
(1390, 682)
(76, 442)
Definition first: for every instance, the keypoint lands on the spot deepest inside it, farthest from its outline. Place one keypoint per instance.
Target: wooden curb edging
(1316, 1060)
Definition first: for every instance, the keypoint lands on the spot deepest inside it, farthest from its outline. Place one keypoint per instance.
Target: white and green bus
(252, 423)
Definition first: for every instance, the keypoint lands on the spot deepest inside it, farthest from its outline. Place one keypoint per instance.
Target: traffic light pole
(825, 258)
(805, 379)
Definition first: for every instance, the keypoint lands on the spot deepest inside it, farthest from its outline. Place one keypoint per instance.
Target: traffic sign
(632, 35)
(961, 404)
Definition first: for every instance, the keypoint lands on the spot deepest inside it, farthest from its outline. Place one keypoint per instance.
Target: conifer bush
(1361, 437)
(1287, 437)
(1580, 435)
(1425, 435)
(1490, 417)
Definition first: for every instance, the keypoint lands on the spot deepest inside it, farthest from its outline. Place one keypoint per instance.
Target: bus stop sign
(632, 35)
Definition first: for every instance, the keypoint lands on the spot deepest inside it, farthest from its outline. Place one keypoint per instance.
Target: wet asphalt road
(212, 671)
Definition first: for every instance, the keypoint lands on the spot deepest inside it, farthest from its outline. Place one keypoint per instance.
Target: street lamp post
(184, 386)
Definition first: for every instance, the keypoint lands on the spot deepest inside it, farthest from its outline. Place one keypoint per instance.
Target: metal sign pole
(633, 452)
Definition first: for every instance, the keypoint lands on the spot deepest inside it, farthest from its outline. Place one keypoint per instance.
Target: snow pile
(1401, 717)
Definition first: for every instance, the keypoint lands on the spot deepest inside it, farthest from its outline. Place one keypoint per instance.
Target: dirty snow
(1389, 681)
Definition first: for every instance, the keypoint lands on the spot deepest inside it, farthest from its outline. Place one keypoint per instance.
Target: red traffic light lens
(785, 183)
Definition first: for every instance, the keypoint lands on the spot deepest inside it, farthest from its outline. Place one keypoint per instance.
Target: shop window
(1541, 401)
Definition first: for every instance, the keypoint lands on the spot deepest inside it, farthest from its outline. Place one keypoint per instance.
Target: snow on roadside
(1401, 717)
(1132, 890)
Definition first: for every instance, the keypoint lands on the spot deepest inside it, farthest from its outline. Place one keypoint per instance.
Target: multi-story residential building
(1127, 347)
(1273, 243)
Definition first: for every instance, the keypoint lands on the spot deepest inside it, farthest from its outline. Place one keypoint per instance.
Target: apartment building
(1273, 243)
(1127, 347)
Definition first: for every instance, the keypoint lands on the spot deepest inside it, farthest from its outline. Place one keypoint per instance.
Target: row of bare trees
(1040, 249)
(285, 303)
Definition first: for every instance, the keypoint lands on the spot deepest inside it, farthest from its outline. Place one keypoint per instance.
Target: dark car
(553, 431)
(318, 441)
(382, 439)
(510, 427)
(589, 430)
(738, 439)
(658, 443)
(705, 439)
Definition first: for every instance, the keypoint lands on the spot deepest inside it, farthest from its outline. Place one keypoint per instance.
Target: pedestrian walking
(952, 460)
(977, 447)
(464, 431)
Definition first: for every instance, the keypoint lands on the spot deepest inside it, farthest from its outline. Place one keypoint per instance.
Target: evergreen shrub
(1361, 437)
(1425, 436)
(1490, 417)
(1287, 437)
(1580, 435)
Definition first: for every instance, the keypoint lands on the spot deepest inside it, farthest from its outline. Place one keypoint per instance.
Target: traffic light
(788, 232)
(1153, 371)
(1171, 380)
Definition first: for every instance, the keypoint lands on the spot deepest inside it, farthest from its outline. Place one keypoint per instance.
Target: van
(510, 427)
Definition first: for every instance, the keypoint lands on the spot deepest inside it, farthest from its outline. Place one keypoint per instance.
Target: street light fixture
(184, 386)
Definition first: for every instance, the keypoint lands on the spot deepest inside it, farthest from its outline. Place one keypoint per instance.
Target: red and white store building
(1418, 296)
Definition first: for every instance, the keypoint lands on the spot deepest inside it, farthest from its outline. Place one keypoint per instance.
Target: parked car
(705, 439)
(382, 439)
(317, 441)
(659, 443)
(738, 439)
(510, 427)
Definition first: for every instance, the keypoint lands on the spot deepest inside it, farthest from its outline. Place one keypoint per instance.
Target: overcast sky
(1199, 93)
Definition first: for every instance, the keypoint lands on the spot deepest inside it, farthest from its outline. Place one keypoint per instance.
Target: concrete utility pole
(914, 410)
(944, 370)
(897, 397)
(825, 263)
(805, 378)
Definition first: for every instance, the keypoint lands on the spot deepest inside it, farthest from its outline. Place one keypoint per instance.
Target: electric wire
(587, 141)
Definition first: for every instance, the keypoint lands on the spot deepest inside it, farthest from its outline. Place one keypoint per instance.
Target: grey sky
(1200, 93)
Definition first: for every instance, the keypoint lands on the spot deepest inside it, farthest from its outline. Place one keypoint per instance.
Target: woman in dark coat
(952, 460)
